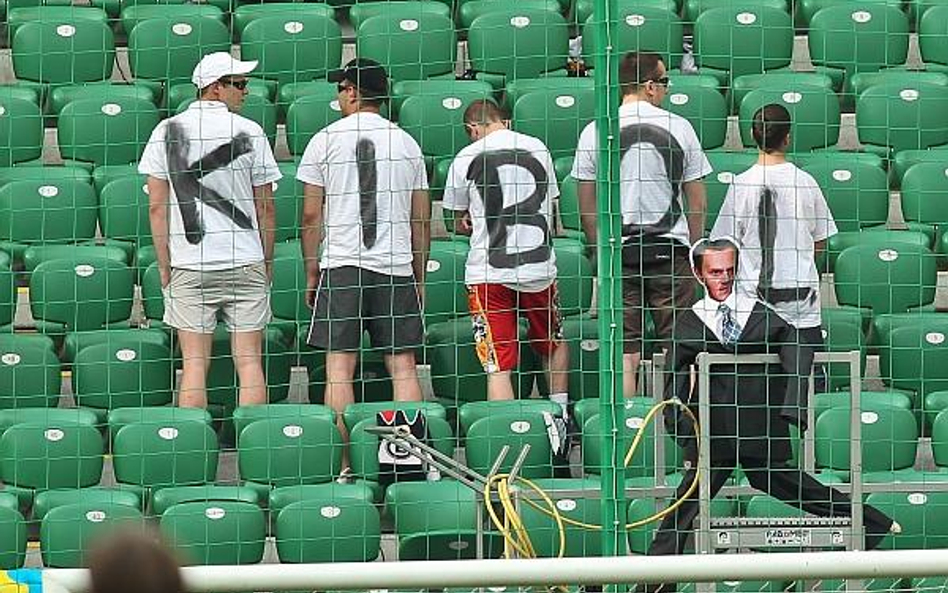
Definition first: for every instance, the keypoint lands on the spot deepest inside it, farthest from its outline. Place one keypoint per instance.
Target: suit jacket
(752, 405)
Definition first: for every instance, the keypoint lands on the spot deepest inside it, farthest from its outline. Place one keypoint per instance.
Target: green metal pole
(609, 254)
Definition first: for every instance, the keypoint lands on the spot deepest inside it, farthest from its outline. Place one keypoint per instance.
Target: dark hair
(483, 111)
(771, 126)
(637, 68)
(704, 245)
(133, 560)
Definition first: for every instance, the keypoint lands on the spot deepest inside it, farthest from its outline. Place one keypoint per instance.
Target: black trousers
(791, 485)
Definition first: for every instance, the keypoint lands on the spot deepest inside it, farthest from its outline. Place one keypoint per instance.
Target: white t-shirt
(212, 221)
(511, 242)
(779, 207)
(659, 152)
(365, 156)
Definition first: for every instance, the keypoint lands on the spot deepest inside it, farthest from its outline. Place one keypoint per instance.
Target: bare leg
(557, 369)
(499, 386)
(340, 368)
(196, 356)
(402, 368)
(630, 368)
(247, 348)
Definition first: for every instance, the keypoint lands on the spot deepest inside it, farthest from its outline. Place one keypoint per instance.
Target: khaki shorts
(240, 297)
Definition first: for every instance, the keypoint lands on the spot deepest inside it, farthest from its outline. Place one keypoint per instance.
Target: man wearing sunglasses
(661, 159)
(365, 238)
(210, 187)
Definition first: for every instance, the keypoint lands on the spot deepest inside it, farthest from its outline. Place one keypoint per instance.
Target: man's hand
(312, 283)
(164, 273)
(464, 225)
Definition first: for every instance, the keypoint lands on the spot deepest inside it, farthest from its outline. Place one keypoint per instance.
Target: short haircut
(704, 245)
(483, 111)
(133, 560)
(771, 126)
(637, 68)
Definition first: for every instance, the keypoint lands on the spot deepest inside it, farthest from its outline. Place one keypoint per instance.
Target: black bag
(639, 252)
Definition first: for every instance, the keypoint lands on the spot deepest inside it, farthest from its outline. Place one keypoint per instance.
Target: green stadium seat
(217, 532)
(456, 373)
(879, 236)
(12, 539)
(47, 455)
(48, 500)
(281, 498)
(814, 111)
(103, 92)
(898, 76)
(328, 530)
(471, 412)
(843, 336)
(362, 11)
(288, 201)
(568, 209)
(857, 193)
(67, 530)
(557, 117)
(154, 416)
(434, 117)
(885, 278)
(67, 51)
(409, 47)
(868, 399)
(808, 8)
(922, 187)
(743, 39)
(487, 436)
(647, 26)
(583, 9)
(921, 515)
(695, 8)
(913, 359)
(774, 81)
(906, 159)
(40, 212)
(889, 439)
(166, 49)
(246, 13)
(364, 446)
(278, 452)
(244, 416)
(293, 48)
(8, 294)
(574, 276)
(106, 131)
(122, 373)
(897, 117)
(135, 14)
(581, 334)
(939, 434)
(931, 37)
(310, 113)
(543, 530)
(52, 12)
(291, 314)
(81, 293)
(469, 10)
(643, 462)
(34, 255)
(30, 373)
(21, 131)
(155, 455)
(123, 213)
(445, 296)
(522, 86)
(53, 416)
(356, 413)
(706, 110)
(512, 43)
(726, 165)
(164, 499)
(847, 39)
(437, 521)
(153, 303)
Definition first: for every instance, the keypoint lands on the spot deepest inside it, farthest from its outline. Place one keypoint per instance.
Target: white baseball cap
(217, 65)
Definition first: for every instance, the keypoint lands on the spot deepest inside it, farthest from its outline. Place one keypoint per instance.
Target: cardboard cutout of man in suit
(752, 405)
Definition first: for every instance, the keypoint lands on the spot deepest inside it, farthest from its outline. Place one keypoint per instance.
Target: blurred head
(128, 561)
(482, 117)
(714, 264)
(221, 77)
(361, 84)
(643, 75)
(771, 128)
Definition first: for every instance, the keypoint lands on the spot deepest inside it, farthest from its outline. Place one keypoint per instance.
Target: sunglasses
(237, 84)
(343, 87)
(664, 81)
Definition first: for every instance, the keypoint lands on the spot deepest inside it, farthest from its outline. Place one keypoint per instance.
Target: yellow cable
(516, 536)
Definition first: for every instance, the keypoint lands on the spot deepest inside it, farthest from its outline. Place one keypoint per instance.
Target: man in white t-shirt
(779, 216)
(501, 189)
(366, 208)
(661, 159)
(210, 186)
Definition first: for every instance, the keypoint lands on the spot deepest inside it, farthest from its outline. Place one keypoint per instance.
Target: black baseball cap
(367, 75)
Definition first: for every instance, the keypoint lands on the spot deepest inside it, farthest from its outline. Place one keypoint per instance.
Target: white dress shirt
(708, 310)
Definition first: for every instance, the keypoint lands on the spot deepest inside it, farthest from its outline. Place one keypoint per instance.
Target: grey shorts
(240, 297)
